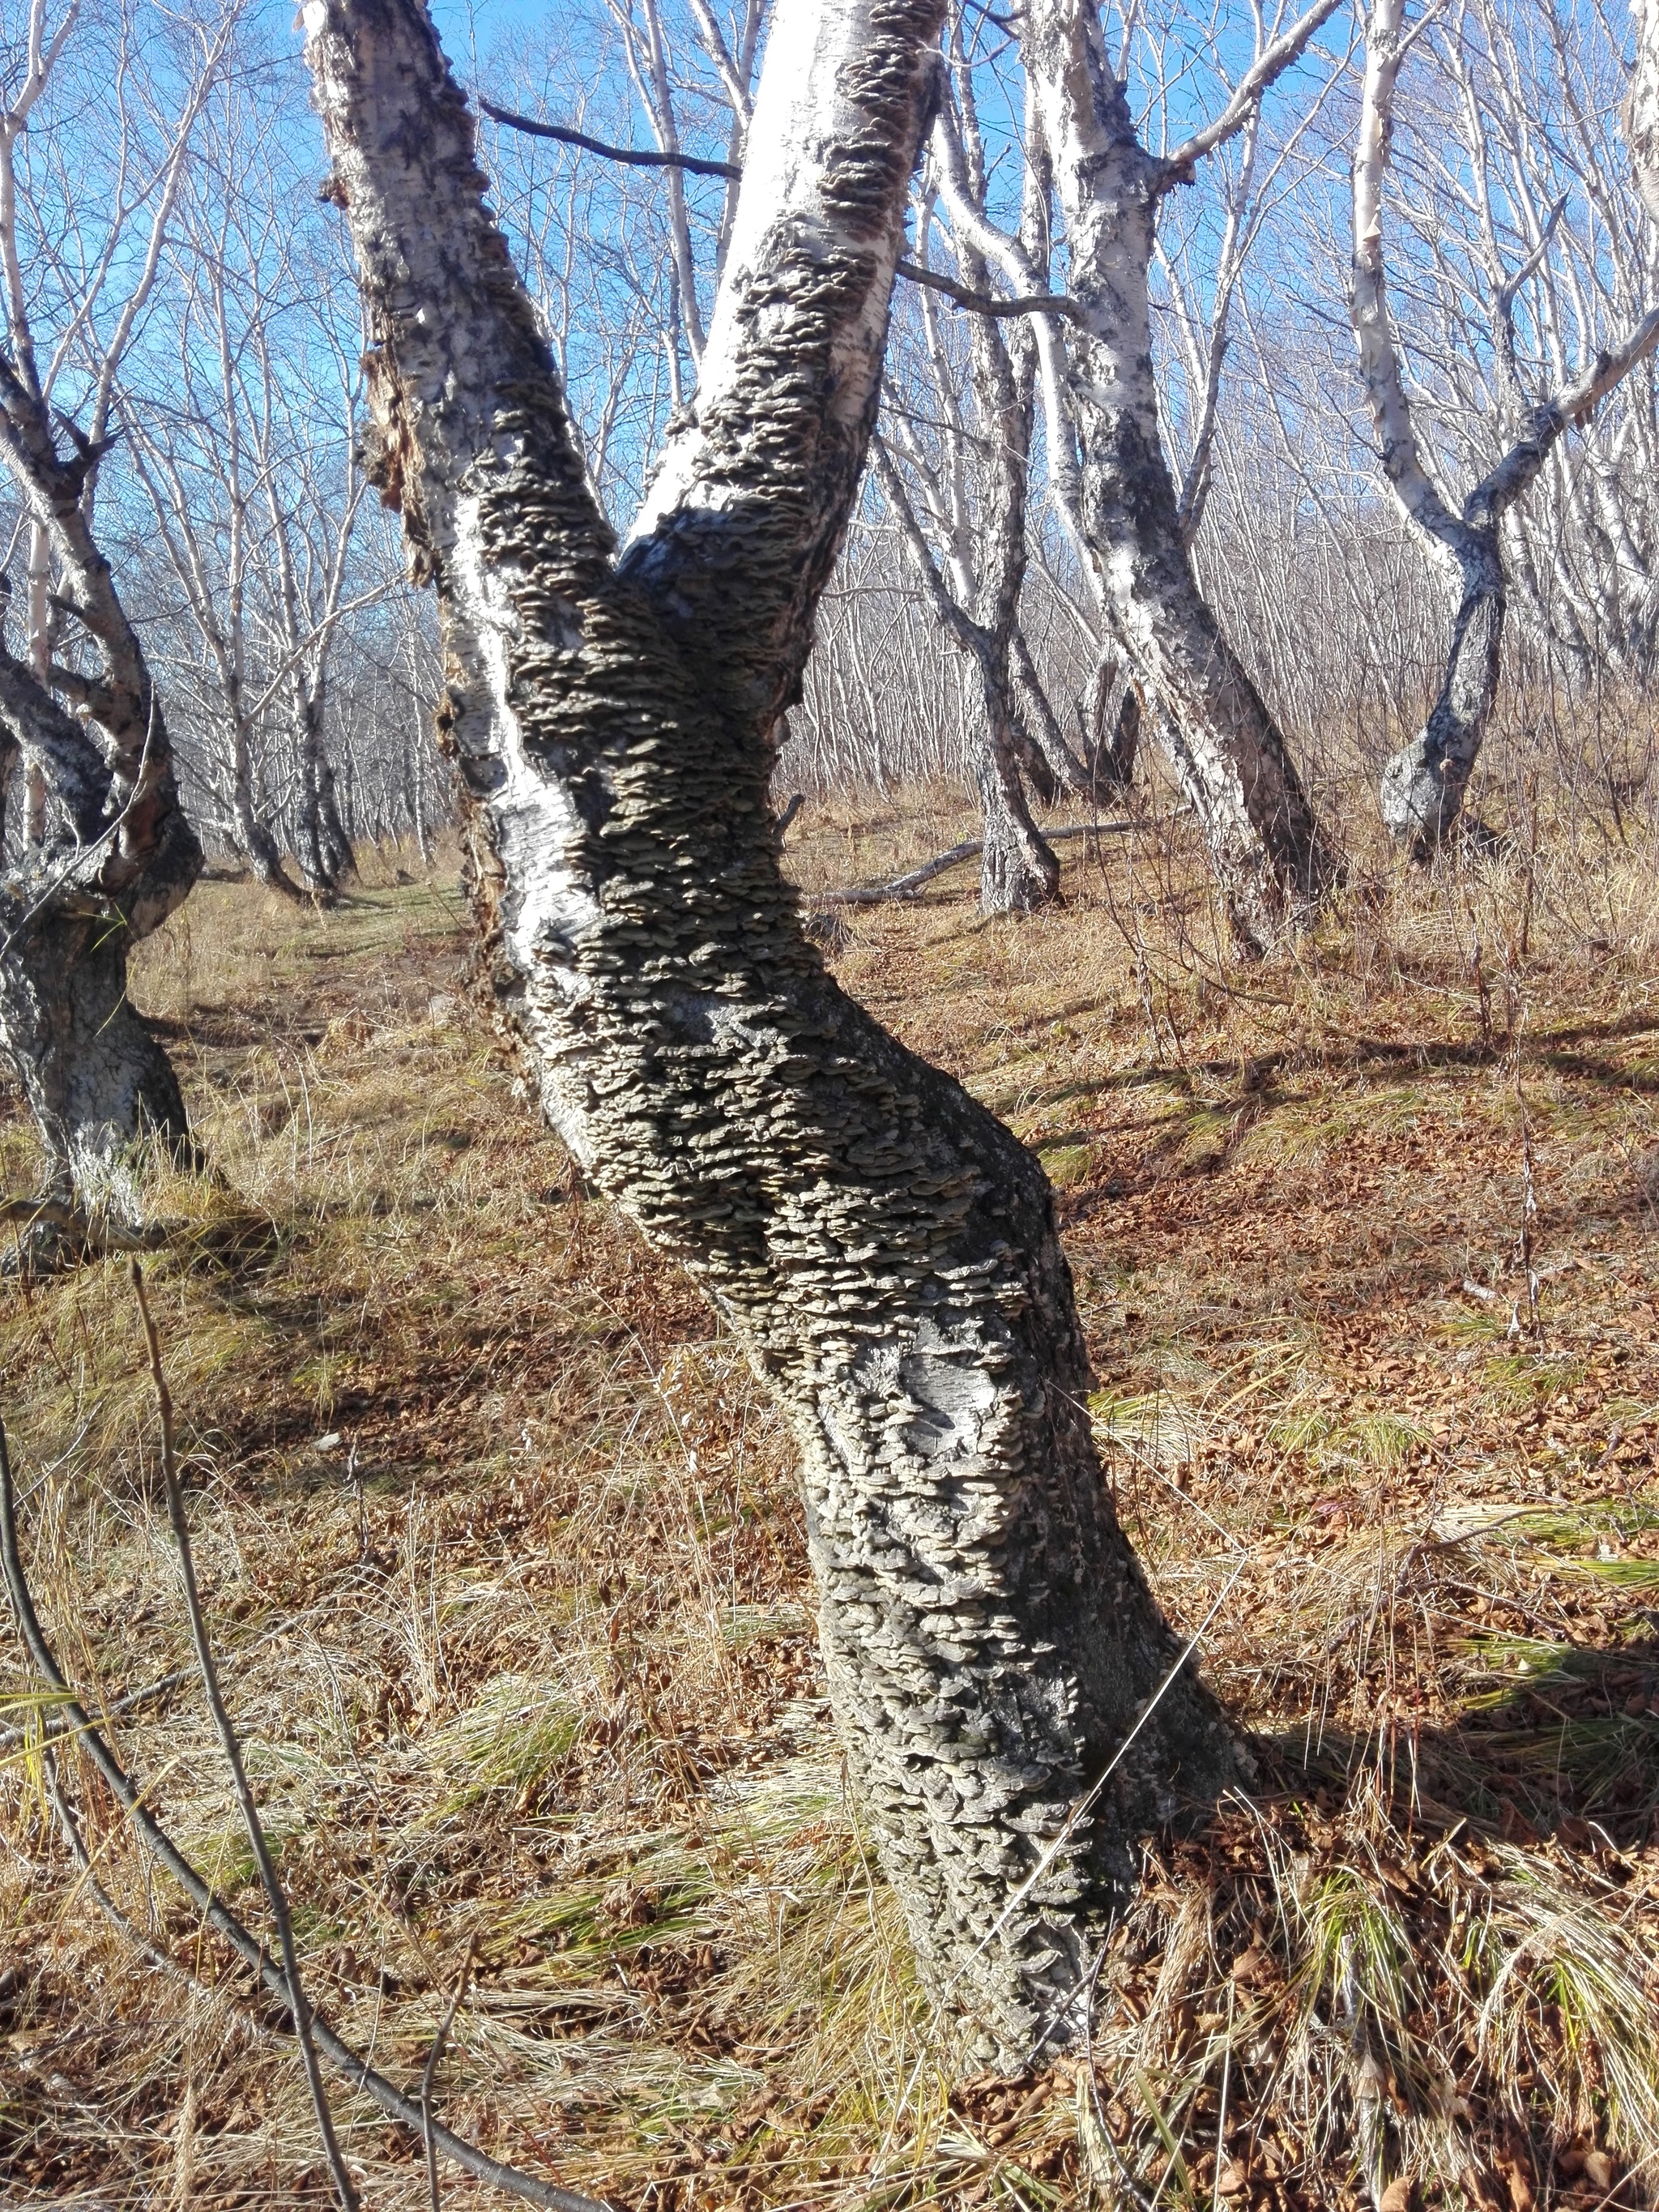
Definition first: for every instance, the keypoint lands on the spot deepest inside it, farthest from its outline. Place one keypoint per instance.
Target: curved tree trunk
(882, 1248)
(1268, 855)
(118, 857)
(1424, 784)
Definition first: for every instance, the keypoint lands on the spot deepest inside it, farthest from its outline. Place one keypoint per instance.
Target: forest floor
(502, 1556)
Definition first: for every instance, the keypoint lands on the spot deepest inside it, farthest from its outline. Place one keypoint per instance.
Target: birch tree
(1424, 784)
(1268, 854)
(967, 449)
(1642, 102)
(1014, 1709)
(110, 853)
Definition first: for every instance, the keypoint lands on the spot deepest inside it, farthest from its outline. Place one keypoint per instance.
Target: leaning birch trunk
(885, 1251)
(1265, 846)
(1424, 783)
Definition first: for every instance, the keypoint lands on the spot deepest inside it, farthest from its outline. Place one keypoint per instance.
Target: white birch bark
(884, 1250)
(1265, 846)
(1642, 102)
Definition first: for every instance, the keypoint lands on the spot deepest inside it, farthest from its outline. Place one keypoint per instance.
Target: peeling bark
(1232, 760)
(885, 1251)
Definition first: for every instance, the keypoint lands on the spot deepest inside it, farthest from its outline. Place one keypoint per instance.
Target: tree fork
(884, 1250)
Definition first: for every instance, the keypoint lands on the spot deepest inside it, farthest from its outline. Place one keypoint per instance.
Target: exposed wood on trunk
(885, 1251)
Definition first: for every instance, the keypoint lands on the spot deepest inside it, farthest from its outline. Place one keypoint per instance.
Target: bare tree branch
(429, 2071)
(407, 2111)
(1270, 64)
(632, 157)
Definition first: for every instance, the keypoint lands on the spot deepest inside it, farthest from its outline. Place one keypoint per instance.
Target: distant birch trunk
(1642, 102)
(116, 855)
(882, 1248)
(1424, 783)
(1229, 754)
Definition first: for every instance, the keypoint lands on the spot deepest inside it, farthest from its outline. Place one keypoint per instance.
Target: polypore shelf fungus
(883, 1248)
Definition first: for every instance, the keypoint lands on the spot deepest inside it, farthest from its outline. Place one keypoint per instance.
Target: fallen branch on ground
(903, 887)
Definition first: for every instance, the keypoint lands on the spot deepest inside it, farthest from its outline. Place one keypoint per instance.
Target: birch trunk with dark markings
(884, 1250)
(117, 858)
(1424, 783)
(1226, 749)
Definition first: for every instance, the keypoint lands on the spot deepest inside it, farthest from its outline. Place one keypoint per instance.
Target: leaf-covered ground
(502, 1551)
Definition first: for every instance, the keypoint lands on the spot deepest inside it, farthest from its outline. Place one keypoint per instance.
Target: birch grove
(1424, 784)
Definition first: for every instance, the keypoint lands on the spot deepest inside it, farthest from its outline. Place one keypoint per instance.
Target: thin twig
(230, 1745)
(641, 157)
(431, 2068)
(219, 1917)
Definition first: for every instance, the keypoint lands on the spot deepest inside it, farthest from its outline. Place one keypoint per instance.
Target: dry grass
(503, 1556)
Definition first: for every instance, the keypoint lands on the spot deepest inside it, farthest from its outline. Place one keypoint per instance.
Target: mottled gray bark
(321, 844)
(1266, 849)
(1018, 871)
(882, 1248)
(1111, 735)
(117, 857)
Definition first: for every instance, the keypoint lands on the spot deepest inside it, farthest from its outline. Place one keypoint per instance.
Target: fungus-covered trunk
(885, 1251)
(1226, 747)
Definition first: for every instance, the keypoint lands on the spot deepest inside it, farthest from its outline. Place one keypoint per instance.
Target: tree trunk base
(1018, 873)
(98, 1082)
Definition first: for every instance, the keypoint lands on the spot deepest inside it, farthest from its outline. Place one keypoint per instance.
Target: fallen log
(907, 886)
